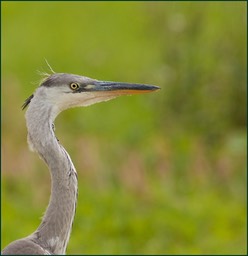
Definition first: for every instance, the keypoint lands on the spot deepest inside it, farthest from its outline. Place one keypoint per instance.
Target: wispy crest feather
(44, 75)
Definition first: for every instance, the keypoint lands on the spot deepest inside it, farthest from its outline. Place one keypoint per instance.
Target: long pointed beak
(120, 88)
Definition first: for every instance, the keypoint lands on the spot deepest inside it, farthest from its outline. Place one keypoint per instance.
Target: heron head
(67, 90)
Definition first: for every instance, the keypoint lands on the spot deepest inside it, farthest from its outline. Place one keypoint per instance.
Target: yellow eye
(74, 86)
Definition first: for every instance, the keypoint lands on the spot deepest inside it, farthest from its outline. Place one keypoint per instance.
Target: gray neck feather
(54, 231)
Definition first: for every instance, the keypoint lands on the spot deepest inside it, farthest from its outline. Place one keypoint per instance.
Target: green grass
(162, 173)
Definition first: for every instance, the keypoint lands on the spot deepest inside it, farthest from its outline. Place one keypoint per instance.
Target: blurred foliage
(163, 173)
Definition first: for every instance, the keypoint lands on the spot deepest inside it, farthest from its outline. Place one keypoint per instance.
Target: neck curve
(54, 231)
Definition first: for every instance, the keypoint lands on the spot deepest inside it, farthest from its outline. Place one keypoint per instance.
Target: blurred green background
(161, 173)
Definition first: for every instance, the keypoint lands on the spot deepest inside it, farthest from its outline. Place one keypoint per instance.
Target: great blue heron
(56, 93)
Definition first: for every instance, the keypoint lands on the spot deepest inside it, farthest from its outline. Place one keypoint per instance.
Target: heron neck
(54, 230)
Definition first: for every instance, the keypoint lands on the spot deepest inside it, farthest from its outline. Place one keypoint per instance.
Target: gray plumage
(56, 93)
